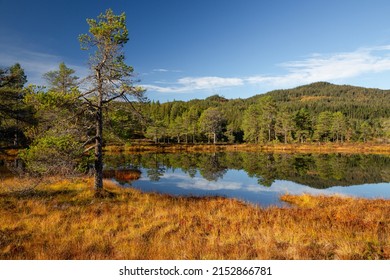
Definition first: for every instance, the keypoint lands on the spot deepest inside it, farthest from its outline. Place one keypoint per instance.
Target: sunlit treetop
(108, 30)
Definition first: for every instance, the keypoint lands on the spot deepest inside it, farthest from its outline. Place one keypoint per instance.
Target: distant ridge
(353, 101)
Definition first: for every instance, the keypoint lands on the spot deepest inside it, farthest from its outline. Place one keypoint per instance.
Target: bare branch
(90, 140)
(89, 148)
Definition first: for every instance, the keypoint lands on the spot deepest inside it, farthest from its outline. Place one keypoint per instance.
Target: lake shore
(63, 219)
(347, 148)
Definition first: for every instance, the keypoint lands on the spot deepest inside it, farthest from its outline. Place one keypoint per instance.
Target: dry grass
(65, 220)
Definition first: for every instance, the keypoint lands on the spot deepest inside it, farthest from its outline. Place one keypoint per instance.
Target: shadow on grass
(39, 194)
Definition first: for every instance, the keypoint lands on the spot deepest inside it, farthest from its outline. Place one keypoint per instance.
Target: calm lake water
(258, 178)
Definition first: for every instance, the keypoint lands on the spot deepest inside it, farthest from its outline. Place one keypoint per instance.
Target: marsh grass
(64, 219)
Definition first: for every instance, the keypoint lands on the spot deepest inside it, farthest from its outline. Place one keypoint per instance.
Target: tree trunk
(99, 136)
(215, 138)
(99, 151)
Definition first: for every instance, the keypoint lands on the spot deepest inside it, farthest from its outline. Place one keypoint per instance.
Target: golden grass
(65, 220)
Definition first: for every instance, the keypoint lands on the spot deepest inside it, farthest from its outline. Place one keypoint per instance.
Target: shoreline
(344, 148)
(317, 148)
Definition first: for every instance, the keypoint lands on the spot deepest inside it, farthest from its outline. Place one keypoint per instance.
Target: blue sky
(188, 49)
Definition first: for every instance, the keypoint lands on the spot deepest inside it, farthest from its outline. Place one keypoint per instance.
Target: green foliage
(109, 30)
(15, 114)
(59, 133)
(54, 154)
(61, 80)
(317, 112)
(13, 78)
(212, 123)
(251, 125)
(54, 111)
(339, 126)
(284, 125)
(303, 125)
(323, 126)
(108, 35)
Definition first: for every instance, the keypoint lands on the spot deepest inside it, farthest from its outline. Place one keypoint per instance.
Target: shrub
(55, 154)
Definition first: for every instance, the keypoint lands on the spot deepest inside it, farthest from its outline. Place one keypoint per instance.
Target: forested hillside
(316, 112)
(353, 102)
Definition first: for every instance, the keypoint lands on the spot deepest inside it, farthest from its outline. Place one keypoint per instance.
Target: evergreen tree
(112, 77)
(303, 125)
(15, 115)
(324, 126)
(58, 135)
(212, 122)
(365, 131)
(339, 126)
(268, 115)
(251, 124)
(61, 80)
(284, 125)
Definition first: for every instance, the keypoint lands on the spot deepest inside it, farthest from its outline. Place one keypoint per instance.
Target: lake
(258, 178)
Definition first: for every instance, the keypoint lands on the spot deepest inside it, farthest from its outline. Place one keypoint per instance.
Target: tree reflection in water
(315, 170)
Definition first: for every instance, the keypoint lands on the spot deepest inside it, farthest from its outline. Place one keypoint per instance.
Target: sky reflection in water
(237, 184)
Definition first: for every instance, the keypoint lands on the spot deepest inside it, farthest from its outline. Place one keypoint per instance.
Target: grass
(63, 219)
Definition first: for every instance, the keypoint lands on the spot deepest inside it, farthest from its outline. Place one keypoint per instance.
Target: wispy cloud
(189, 84)
(316, 67)
(163, 70)
(160, 70)
(332, 67)
(35, 64)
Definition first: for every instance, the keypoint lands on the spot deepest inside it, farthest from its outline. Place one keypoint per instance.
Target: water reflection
(257, 177)
(314, 170)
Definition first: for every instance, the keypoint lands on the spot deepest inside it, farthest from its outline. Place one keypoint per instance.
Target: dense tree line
(320, 112)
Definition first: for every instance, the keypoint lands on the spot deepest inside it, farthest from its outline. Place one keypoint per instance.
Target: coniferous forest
(36, 115)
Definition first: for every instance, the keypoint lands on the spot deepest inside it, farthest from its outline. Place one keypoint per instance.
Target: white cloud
(188, 84)
(163, 70)
(199, 183)
(336, 66)
(316, 67)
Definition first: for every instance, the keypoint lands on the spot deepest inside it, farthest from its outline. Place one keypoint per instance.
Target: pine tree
(112, 77)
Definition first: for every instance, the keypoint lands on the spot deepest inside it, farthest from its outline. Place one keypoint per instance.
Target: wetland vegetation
(65, 220)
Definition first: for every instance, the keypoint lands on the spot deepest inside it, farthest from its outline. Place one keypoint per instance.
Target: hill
(352, 101)
(316, 112)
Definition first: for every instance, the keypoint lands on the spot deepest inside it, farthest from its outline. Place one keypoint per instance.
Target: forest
(319, 112)
(54, 124)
